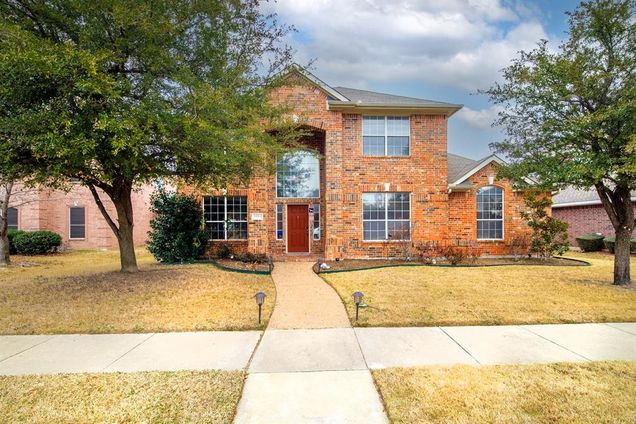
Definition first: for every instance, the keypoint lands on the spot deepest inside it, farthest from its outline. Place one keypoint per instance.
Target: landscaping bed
(410, 296)
(243, 266)
(148, 397)
(553, 393)
(361, 264)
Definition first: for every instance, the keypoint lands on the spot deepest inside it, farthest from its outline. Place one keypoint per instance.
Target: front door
(297, 228)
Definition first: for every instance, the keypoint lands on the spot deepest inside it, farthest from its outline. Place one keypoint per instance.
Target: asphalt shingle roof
(572, 195)
(372, 97)
(458, 166)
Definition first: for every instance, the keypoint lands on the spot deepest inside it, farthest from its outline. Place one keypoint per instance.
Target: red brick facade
(345, 174)
(585, 219)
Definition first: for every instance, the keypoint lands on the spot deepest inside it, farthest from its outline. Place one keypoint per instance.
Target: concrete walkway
(304, 300)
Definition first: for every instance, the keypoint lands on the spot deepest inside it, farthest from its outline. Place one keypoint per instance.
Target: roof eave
(447, 110)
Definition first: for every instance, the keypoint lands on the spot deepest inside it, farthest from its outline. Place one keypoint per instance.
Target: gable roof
(343, 98)
(460, 168)
(570, 196)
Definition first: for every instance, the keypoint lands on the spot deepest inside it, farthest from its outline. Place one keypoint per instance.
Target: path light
(260, 299)
(357, 299)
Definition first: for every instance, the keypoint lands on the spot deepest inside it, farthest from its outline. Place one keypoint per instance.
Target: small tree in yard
(177, 232)
(549, 235)
(570, 114)
(118, 93)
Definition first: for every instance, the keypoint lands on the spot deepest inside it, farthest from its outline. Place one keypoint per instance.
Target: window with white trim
(386, 135)
(298, 175)
(316, 230)
(280, 232)
(226, 217)
(76, 223)
(12, 218)
(386, 216)
(490, 213)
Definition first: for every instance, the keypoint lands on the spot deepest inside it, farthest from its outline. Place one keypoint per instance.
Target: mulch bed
(233, 264)
(359, 264)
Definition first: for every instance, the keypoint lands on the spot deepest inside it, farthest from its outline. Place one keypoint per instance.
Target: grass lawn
(597, 392)
(517, 294)
(82, 292)
(166, 397)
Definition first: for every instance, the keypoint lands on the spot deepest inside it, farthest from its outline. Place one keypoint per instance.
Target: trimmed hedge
(36, 242)
(610, 244)
(11, 234)
(590, 242)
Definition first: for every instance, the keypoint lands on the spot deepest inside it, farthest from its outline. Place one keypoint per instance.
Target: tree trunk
(4, 249)
(622, 257)
(123, 205)
(4, 235)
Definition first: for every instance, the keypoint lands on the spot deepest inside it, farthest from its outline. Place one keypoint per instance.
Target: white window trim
(386, 137)
(299, 198)
(386, 218)
(76, 225)
(226, 220)
(503, 215)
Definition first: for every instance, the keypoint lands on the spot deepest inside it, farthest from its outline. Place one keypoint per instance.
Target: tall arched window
(298, 175)
(490, 213)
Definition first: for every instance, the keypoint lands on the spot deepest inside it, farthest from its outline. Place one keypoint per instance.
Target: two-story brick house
(375, 172)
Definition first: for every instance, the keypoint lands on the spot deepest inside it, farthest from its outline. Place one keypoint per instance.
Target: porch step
(296, 257)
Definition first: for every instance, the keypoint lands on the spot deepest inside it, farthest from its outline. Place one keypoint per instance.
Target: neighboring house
(375, 171)
(583, 211)
(75, 216)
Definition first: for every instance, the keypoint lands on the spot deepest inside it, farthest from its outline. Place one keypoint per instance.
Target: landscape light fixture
(357, 299)
(260, 299)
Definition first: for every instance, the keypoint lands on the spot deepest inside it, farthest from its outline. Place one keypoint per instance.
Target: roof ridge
(385, 94)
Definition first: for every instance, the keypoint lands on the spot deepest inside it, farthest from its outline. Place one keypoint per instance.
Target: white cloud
(478, 119)
(453, 43)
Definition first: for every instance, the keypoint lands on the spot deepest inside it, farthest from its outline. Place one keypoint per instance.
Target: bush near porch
(82, 292)
(429, 296)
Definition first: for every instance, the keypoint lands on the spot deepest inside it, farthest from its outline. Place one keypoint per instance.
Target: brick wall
(585, 219)
(47, 209)
(463, 213)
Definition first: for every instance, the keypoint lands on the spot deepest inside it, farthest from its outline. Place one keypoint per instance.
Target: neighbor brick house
(375, 175)
(74, 215)
(583, 212)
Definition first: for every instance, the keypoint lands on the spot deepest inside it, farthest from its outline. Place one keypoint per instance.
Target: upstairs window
(298, 175)
(76, 223)
(226, 217)
(12, 218)
(386, 216)
(490, 213)
(386, 135)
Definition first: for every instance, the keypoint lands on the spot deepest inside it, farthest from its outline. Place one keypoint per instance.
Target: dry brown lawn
(82, 292)
(157, 397)
(594, 393)
(517, 294)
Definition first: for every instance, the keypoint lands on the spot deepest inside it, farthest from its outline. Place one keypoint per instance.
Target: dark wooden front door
(297, 228)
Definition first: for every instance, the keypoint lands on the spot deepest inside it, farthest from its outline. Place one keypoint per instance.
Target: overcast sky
(440, 50)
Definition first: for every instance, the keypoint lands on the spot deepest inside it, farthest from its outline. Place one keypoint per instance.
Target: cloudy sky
(441, 50)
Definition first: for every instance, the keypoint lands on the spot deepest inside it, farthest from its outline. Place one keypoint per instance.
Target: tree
(569, 114)
(549, 235)
(119, 93)
(6, 188)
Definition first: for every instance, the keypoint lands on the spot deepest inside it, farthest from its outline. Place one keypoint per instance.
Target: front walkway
(304, 300)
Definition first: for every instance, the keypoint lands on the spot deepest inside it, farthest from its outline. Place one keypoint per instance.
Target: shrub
(224, 251)
(610, 244)
(427, 251)
(520, 247)
(453, 254)
(10, 235)
(177, 232)
(35, 242)
(549, 235)
(255, 258)
(590, 242)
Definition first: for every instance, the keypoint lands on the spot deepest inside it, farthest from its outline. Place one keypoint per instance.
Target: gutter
(584, 203)
(447, 110)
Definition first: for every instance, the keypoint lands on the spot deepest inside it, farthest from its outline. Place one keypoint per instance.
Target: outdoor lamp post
(357, 299)
(260, 298)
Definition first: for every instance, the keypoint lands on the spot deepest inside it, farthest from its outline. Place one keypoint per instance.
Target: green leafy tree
(117, 93)
(570, 114)
(549, 235)
(178, 233)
